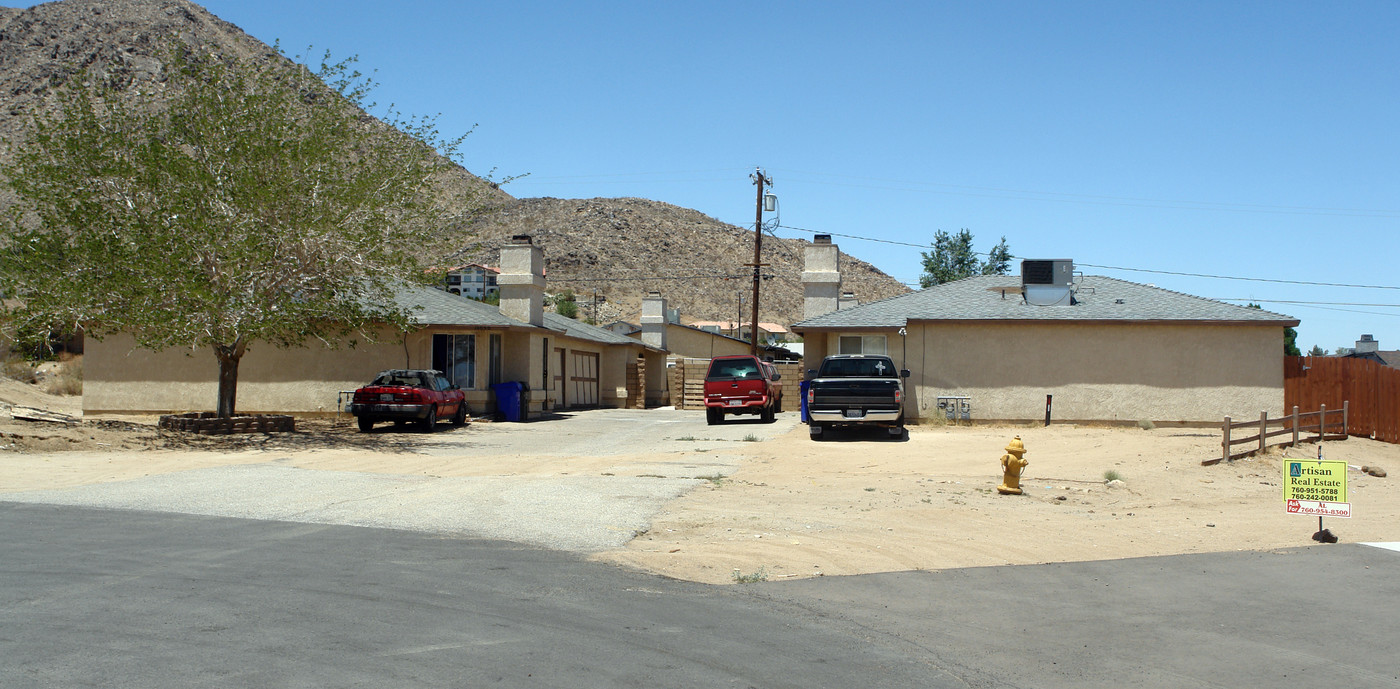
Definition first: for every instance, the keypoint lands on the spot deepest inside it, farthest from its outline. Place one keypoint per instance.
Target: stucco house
(770, 333)
(1104, 349)
(472, 280)
(564, 363)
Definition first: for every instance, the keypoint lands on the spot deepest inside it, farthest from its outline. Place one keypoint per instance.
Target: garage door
(583, 380)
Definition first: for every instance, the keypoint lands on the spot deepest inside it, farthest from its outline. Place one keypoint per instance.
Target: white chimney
(1367, 344)
(654, 320)
(821, 277)
(521, 280)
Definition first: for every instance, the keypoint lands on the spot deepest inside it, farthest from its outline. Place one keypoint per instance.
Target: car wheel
(897, 432)
(461, 416)
(768, 415)
(713, 416)
(366, 424)
(430, 423)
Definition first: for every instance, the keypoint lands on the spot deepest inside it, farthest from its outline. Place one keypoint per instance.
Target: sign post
(1316, 487)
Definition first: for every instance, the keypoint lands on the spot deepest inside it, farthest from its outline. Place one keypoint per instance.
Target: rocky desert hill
(605, 245)
(623, 248)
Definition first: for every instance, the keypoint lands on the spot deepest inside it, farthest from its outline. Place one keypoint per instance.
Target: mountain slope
(623, 248)
(123, 43)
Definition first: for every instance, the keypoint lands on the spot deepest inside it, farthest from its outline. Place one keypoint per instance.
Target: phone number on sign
(1320, 509)
(1317, 494)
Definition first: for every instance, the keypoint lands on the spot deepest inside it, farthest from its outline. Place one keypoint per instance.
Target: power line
(1099, 199)
(655, 277)
(1314, 303)
(1104, 267)
(1230, 277)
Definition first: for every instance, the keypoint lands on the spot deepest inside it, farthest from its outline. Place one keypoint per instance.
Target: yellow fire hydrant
(1011, 464)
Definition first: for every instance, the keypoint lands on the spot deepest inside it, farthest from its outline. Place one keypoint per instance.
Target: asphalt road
(109, 598)
(582, 513)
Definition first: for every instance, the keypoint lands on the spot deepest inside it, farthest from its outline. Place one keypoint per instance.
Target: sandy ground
(797, 508)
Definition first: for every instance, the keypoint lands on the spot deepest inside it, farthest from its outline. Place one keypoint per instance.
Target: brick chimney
(521, 280)
(821, 277)
(1367, 344)
(654, 320)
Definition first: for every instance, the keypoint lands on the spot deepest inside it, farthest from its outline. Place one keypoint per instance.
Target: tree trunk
(228, 356)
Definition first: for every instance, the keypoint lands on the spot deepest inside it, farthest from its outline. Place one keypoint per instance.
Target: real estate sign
(1316, 487)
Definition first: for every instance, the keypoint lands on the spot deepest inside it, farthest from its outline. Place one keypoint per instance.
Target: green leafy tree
(953, 258)
(261, 204)
(1290, 342)
(566, 305)
(1317, 351)
(998, 259)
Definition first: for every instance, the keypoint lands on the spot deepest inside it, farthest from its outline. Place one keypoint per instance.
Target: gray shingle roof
(584, 331)
(435, 307)
(1097, 299)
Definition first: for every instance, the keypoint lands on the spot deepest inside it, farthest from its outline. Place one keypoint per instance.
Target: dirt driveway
(796, 508)
(661, 491)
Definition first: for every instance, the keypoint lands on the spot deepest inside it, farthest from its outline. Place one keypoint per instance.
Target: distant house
(473, 280)
(624, 328)
(563, 363)
(1102, 349)
(769, 333)
(1368, 348)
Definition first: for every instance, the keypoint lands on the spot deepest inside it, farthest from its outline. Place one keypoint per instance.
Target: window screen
(862, 344)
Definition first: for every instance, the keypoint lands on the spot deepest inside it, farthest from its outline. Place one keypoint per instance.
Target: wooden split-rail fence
(1313, 426)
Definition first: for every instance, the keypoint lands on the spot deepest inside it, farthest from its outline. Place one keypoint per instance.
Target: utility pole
(759, 179)
(596, 299)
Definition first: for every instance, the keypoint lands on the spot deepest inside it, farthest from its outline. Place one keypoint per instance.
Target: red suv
(742, 384)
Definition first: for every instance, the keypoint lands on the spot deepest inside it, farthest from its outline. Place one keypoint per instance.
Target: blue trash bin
(802, 388)
(509, 401)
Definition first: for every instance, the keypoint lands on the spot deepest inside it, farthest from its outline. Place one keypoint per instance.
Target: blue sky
(1244, 139)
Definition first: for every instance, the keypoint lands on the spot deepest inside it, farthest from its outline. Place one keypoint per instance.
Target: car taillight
(899, 397)
(810, 396)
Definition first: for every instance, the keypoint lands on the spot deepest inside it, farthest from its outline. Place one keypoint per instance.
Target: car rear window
(858, 368)
(409, 379)
(734, 368)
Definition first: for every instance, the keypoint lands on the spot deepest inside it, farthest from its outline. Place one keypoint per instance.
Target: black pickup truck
(856, 390)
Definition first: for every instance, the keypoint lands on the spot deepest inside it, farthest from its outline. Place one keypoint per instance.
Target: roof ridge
(1189, 295)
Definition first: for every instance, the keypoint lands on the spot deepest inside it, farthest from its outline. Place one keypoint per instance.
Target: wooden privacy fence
(1295, 425)
(687, 380)
(1371, 388)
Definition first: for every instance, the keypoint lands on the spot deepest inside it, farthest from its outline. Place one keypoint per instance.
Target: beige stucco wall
(119, 378)
(612, 375)
(658, 385)
(690, 342)
(1096, 372)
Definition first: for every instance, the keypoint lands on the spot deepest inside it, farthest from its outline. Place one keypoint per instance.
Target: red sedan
(402, 395)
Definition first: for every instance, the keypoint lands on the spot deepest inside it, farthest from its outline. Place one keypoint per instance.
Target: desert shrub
(16, 367)
(64, 384)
